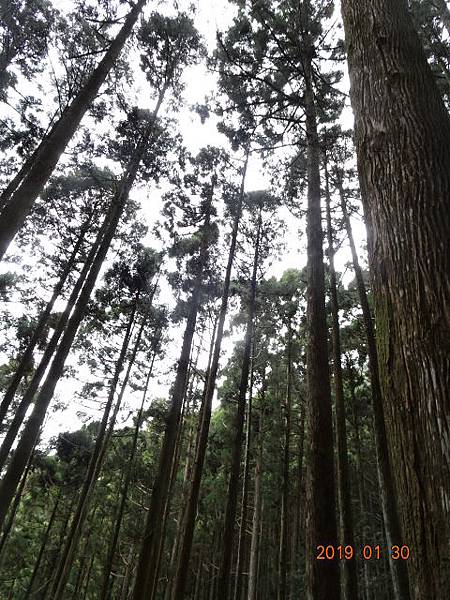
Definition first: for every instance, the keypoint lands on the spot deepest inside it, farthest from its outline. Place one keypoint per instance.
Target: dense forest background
(224, 292)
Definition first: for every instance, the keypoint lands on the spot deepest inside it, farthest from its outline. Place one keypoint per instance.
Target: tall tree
(403, 133)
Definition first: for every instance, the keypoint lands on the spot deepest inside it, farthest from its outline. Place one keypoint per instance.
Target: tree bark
(233, 485)
(391, 519)
(347, 536)
(191, 506)
(322, 577)
(402, 133)
(147, 571)
(21, 201)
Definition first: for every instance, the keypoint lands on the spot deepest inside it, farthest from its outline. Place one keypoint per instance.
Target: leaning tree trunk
(233, 485)
(27, 357)
(21, 201)
(402, 133)
(322, 576)
(147, 571)
(205, 412)
(68, 552)
(384, 470)
(347, 536)
(29, 394)
(30, 433)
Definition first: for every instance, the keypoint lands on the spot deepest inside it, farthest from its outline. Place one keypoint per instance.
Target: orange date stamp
(366, 552)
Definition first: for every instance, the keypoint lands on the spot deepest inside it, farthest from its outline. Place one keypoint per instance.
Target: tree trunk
(93, 470)
(233, 485)
(241, 542)
(15, 505)
(147, 571)
(21, 201)
(45, 538)
(253, 567)
(27, 357)
(322, 577)
(384, 470)
(298, 505)
(205, 412)
(49, 351)
(283, 554)
(347, 536)
(118, 523)
(403, 135)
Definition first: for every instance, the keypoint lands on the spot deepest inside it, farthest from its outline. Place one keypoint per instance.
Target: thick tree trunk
(147, 572)
(347, 536)
(402, 133)
(205, 412)
(27, 357)
(322, 576)
(21, 201)
(233, 485)
(384, 470)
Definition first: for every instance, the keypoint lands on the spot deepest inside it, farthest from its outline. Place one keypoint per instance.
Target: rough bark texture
(402, 133)
(322, 577)
(256, 524)
(19, 205)
(346, 532)
(391, 520)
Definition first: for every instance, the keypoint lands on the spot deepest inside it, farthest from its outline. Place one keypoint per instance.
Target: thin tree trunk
(27, 357)
(391, 519)
(283, 555)
(205, 413)
(233, 485)
(147, 571)
(322, 577)
(49, 351)
(256, 525)
(347, 536)
(21, 201)
(67, 555)
(241, 542)
(115, 538)
(298, 506)
(444, 13)
(45, 538)
(361, 485)
(403, 135)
